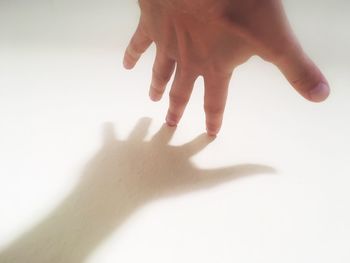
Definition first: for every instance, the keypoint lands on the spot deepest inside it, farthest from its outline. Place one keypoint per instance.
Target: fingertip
(319, 93)
(171, 123)
(155, 98)
(212, 134)
(170, 120)
(305, 76)
(213, 123)
(212, 131)
(153, 95)
(127, 63)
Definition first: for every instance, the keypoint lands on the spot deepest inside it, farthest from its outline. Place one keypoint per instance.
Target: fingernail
(212, 132)
(154, 95)
(320, 92)
(170, 121)
(127, 64)
(212, 135)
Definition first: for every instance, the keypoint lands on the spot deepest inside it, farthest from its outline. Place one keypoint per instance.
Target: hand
(210, 38)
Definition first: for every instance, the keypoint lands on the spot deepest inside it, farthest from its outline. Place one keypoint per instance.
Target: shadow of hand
(124, 175)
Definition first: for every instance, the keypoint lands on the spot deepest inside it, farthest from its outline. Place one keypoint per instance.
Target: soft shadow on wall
(123, 176)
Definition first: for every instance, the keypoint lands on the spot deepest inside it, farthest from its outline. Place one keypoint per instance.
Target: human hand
(210, 38)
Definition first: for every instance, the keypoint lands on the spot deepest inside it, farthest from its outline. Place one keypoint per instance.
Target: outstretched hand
(210, 38)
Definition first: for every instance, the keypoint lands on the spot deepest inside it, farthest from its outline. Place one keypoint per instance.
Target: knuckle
(177, 99)
(130, 57)
(157, 89)
(214, 110)
(135, 49)
(158, 77)
(173, 114)
(306, 77)
(285, 53)
(213, 127)
(303, 80)
(130, 51)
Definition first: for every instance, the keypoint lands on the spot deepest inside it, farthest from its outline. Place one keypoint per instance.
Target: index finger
(139, 43)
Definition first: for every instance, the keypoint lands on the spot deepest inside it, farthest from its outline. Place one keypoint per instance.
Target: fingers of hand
(163, 69)
(179, 95)
(137, 46)
(304, 76)
(215, 96)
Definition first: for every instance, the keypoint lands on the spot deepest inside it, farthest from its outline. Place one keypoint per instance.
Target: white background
(68, 196)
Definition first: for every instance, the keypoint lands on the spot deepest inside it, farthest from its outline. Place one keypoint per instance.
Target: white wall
(67, 197)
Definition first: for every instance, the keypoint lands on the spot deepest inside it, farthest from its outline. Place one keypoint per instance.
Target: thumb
(304, 76)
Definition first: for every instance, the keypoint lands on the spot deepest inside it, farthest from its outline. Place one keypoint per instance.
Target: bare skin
(210, 38)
